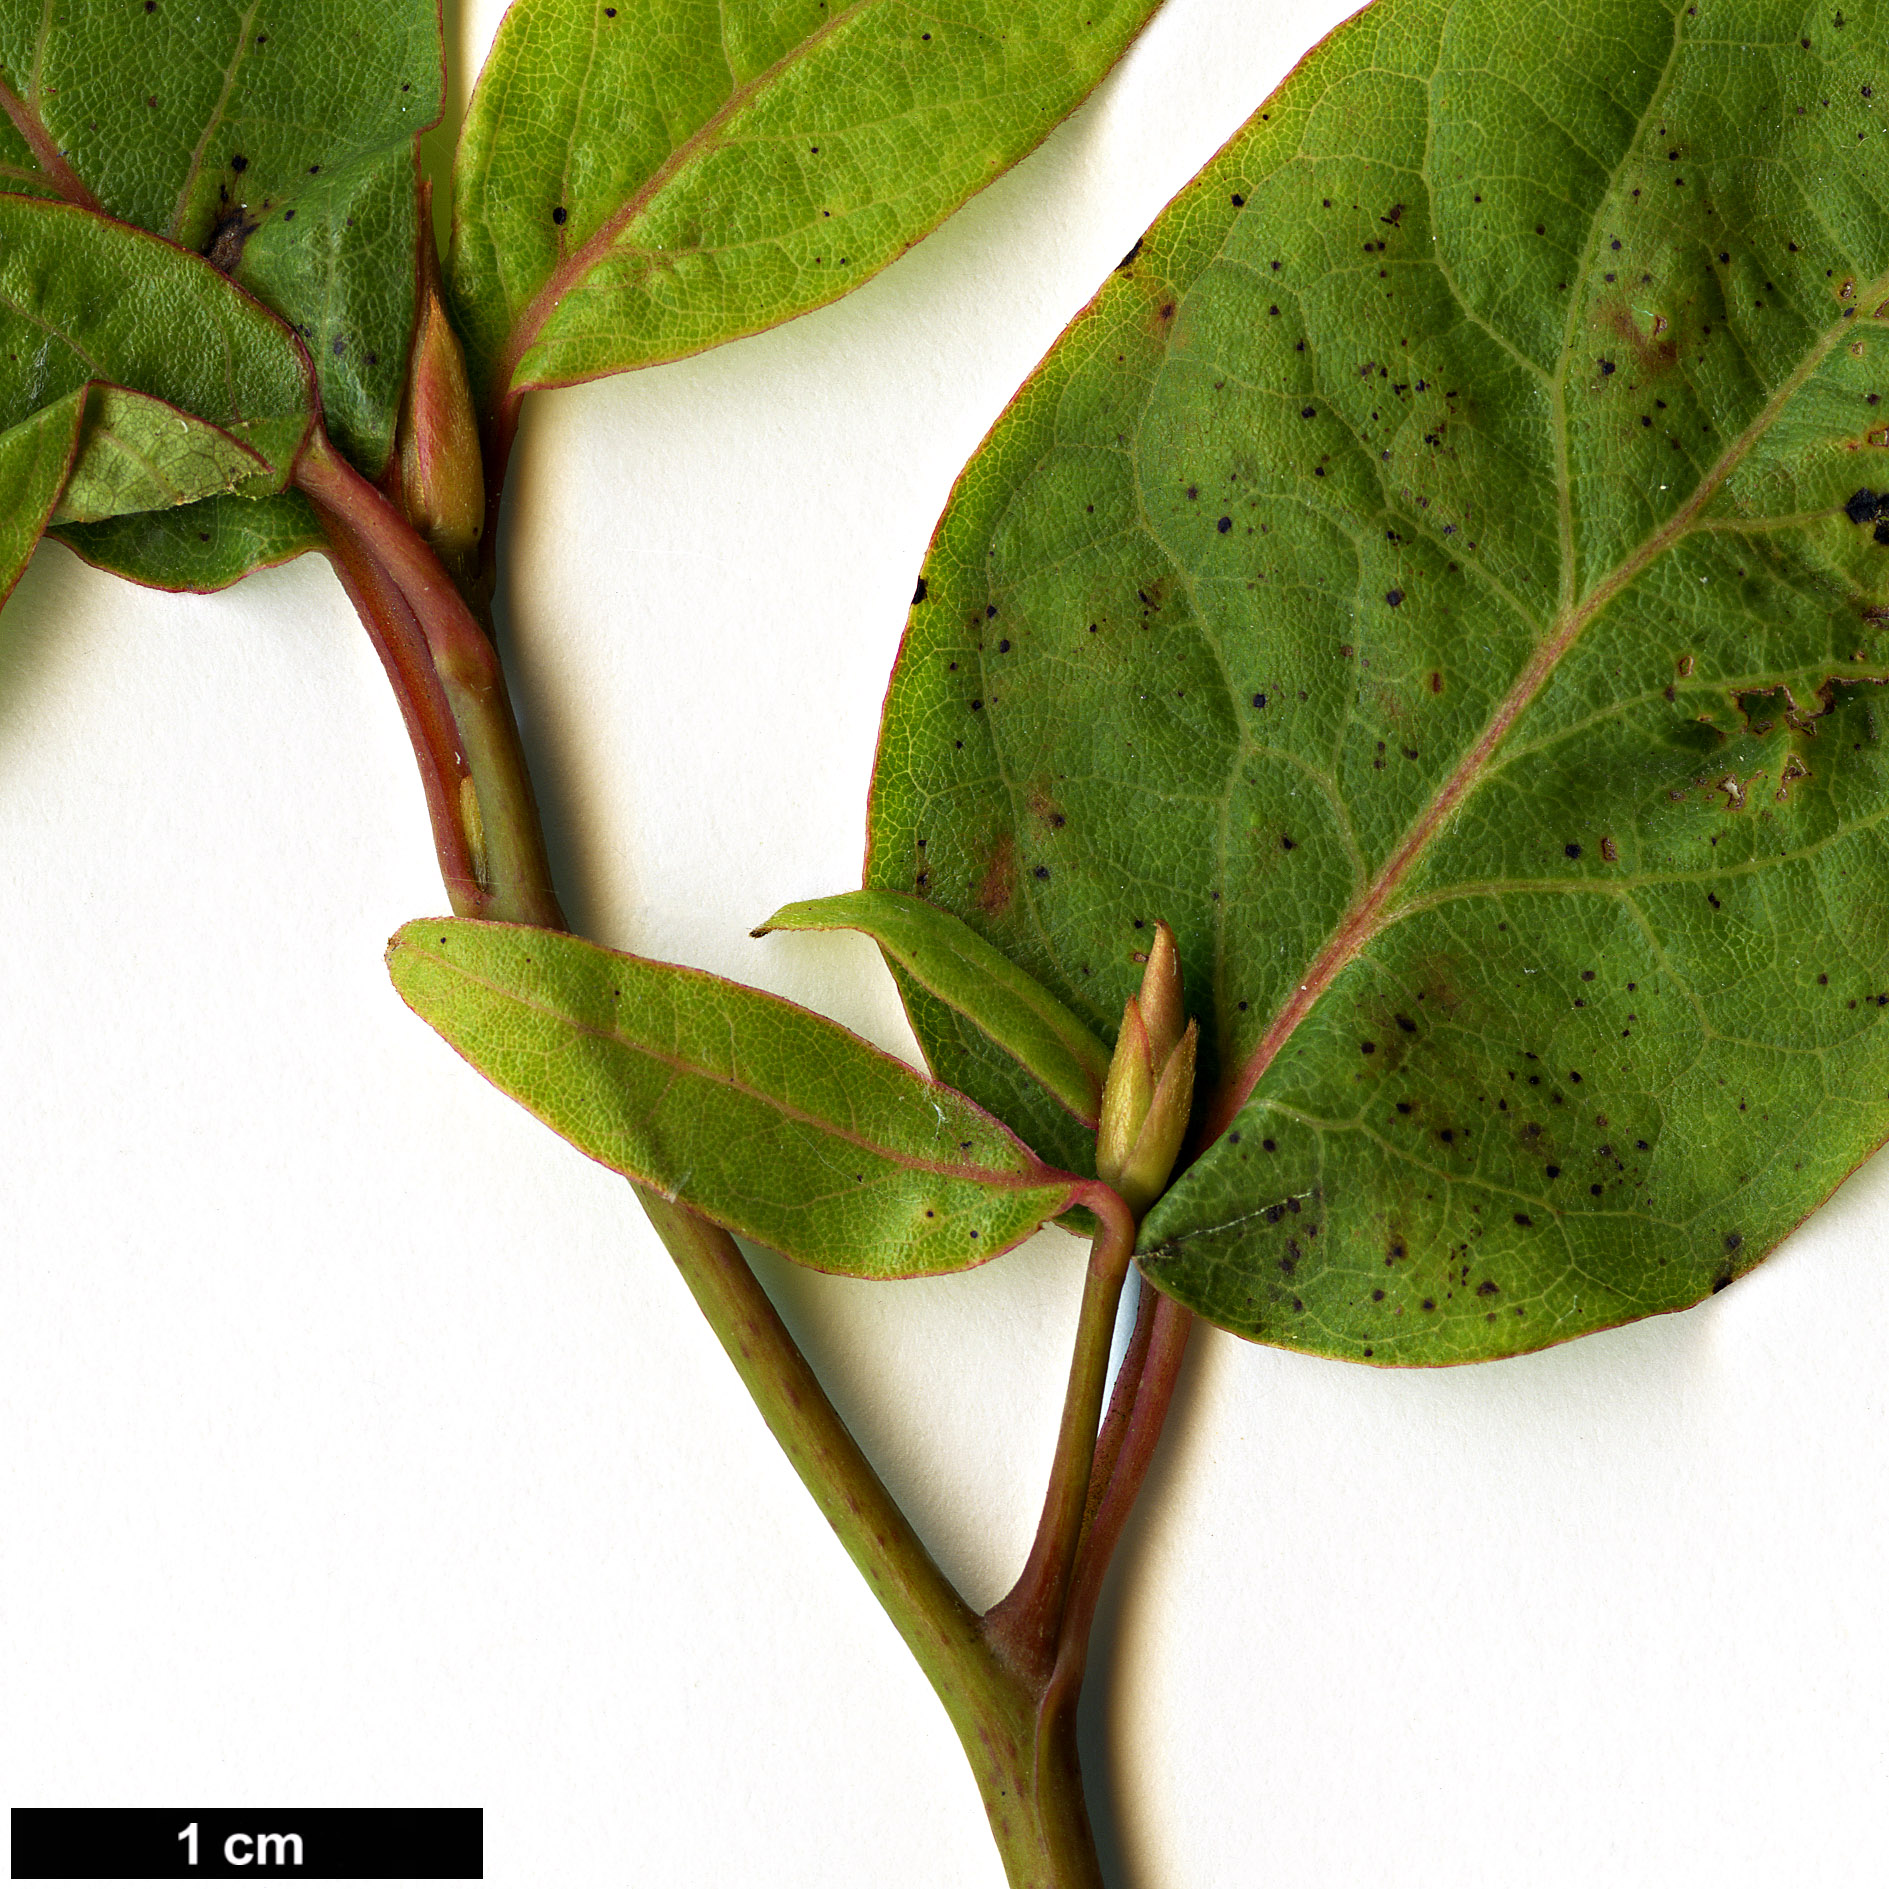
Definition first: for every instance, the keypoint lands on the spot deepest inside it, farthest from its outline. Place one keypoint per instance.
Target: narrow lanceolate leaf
(234, 126)
(769, 1119)
(137, 454)
(1440, 575)
(639, 182)
(84, 301)
(1058, 1061)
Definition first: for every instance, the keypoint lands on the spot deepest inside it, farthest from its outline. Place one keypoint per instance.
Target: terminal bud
(1150, 1089)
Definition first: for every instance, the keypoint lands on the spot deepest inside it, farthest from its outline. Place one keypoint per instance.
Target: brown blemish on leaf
(1655, 353)
(998, 886)
(1045, 809)
(1437, 988)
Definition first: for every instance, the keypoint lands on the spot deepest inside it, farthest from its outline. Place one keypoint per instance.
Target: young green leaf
(1440, 576)
(639, 183)
(771, 1120)
(277, 139)
(934, 953)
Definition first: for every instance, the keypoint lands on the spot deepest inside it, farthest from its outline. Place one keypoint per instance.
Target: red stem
(1121, 1404)
(399, 642)
(478, 788)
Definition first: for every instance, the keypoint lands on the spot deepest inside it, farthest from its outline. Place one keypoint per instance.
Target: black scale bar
(178, 1845)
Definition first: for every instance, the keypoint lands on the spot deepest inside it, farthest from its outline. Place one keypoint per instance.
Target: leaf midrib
(1038, 1173)
(1373, 911)
(53, 166)
(195, 167)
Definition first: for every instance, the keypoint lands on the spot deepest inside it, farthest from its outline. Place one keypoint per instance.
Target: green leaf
(278, 139)
(341, 269)
(1423, 578)
(638, 183)
(84, 301)
(221, 126)
(771, 1120)
(137, 454)
(35, 457)
(199, 547)
(191, 380)
(933, 953)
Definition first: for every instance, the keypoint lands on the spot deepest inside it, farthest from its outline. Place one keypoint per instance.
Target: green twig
(1027, 1622)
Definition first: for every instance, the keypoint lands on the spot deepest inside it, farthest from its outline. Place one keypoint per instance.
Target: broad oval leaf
(638, 183)
(968, 987)
(1440, 576)
(771, 1120)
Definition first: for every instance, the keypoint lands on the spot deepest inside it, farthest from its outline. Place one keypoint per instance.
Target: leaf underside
(84, 301)
(638, 183)
(771, 1120)
(204, 546)
(1423, 577)
(276, 138)
(137, 454)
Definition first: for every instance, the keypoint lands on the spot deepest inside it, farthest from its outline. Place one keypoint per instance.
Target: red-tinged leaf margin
(1036, 1174)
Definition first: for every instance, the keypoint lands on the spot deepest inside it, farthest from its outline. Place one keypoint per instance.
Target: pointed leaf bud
(1163, 1006)
(441, 478)
(1126, 1096)
(1145, 1172)
(1150, 1087)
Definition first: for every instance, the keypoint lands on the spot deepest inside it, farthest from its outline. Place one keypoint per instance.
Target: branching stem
(1009, 1680)
(1143, 1417)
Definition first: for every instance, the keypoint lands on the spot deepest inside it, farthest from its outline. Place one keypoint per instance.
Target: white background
(362, 1447)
